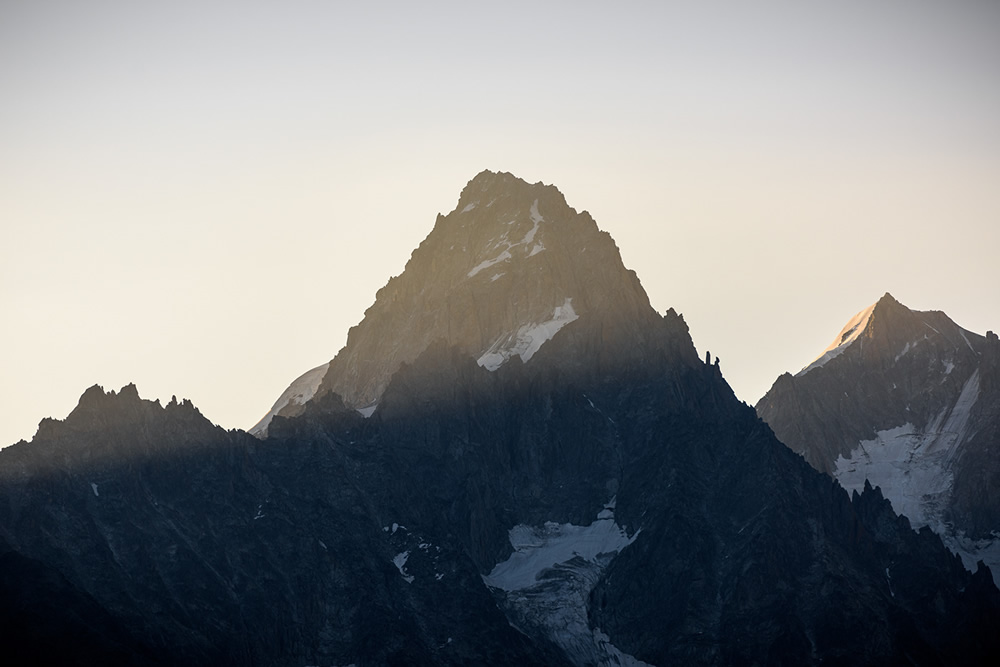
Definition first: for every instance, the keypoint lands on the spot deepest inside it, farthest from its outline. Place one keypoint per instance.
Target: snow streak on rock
(400, 562)
(527, 339)
(506, 255)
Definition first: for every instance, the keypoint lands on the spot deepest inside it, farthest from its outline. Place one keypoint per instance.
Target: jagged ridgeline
(518, 462)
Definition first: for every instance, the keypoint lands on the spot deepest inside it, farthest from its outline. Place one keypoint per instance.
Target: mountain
(591, 495)
(497, 278)
(911, 402)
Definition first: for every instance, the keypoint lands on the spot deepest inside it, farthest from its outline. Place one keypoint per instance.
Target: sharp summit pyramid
(497, 278)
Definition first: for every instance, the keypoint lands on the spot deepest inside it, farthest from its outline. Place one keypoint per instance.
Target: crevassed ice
(546, 583)
(527, 339)
(911, 465)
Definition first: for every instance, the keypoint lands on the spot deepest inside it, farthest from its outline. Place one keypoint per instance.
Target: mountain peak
(488, 181)
(889, 304)
(96, 398)
(504, 196)
(889, 327)
(499, 276)
(887, 299)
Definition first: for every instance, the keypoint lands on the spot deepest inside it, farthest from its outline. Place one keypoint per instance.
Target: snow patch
(469, 207)
(536, 217)
(547, 581)
(300, 391)
(502, 257)
(536, 249)
(528, 339)
(400, 562)
(850, 333)
(496, 277)
(94, 487)
(367, 411)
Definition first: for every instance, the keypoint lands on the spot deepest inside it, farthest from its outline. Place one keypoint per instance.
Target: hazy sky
(202, 198)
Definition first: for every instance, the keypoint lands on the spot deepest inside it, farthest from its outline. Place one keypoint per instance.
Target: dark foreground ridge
(679, 529)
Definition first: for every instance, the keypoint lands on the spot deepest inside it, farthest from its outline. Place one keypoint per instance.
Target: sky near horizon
(202, 197)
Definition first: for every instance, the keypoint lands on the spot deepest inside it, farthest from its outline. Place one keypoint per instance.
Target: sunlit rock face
(910, 402)
(497, 278)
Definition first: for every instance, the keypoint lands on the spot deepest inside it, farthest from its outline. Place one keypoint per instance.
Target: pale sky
(201, 198)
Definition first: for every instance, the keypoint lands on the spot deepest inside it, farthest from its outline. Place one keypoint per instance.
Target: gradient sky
(203, 197)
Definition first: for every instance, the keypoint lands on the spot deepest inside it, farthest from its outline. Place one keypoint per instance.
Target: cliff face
(910, 403)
